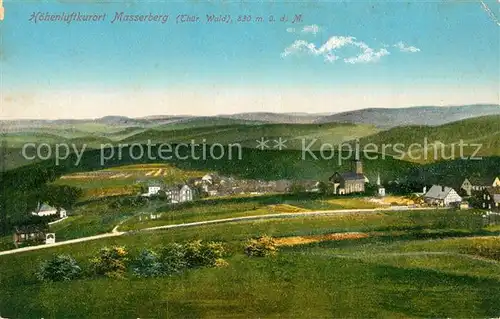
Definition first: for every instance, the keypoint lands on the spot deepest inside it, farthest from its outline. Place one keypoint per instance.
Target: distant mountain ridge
(384, 118)
(422, 115)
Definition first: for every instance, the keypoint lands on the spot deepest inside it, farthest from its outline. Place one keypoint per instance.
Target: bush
(147, 264)
(32, 242)
(199, 254)
(110, 262)
(173, 259)
(261, 247)
(59, 268)
(220, 263)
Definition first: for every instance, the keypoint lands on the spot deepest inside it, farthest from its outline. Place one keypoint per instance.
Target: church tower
(358, 165)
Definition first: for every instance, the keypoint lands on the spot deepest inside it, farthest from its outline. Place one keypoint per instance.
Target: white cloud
(368, 55)
(328, 50)
(314, 28)
(290, 30)
(406, 48)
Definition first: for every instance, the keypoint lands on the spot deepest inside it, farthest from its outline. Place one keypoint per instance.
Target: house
(154, 187)
(47, 210)
(349, 182)
(179, 193)
(442, 196)
(30, 233)
(208, 179)
(209, 183)
(50, 238)
(491, 199)
(471, 184)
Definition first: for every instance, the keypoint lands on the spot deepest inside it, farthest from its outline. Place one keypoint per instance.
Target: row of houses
(487, 190)
(479, 184)
(439, 195)
(216, 185)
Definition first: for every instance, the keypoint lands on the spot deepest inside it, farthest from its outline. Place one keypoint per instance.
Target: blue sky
(383, 54)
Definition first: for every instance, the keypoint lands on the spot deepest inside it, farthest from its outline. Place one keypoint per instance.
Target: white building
(207, 178)
(154, 187)
(50, 238)
(442, 196)
(153, 190)
(47, 210)
(180, 193)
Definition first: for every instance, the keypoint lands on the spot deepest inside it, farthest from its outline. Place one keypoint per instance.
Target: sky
(340, 56)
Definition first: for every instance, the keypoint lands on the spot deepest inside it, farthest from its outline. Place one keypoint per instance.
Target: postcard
(249, 159)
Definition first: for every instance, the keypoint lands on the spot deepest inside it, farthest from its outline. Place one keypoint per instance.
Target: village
(473, 192)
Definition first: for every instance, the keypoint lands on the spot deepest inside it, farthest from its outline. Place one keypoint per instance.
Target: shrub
(261, 247)
(199, 254)
(220, 263)
(32, 242)
(173, 258)
(59, 268)
(111, 262)
(147, 264)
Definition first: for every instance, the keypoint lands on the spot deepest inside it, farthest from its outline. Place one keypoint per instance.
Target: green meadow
(411, 265)
(95, 217)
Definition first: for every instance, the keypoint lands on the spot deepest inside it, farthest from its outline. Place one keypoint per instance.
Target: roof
(176, 187)
(481, 181)
(438, 192)
(349, 176)
(45, 207)
(494, 193)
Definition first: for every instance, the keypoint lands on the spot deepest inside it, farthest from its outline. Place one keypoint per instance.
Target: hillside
(424, 115)
(245, 135)
(481, 134)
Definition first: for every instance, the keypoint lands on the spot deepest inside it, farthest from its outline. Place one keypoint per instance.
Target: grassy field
(94, 217)
(210, 209)
(370, 277)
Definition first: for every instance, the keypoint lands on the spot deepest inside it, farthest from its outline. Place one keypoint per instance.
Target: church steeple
(358, 165)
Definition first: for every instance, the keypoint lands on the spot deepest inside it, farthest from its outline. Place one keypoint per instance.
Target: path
(61, 243)
(116, 233)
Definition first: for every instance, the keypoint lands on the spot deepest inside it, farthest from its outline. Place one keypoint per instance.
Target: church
(349, 182)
